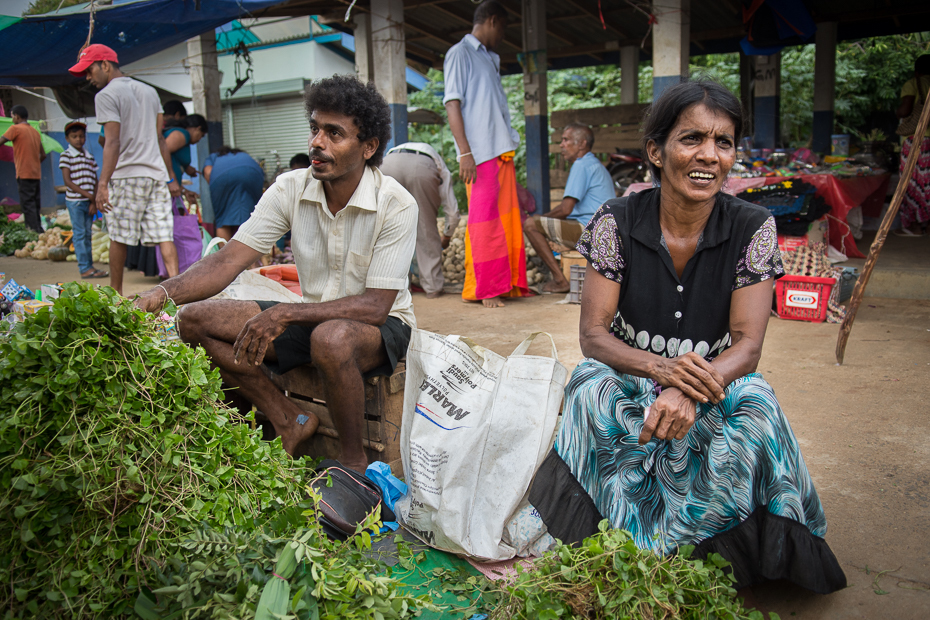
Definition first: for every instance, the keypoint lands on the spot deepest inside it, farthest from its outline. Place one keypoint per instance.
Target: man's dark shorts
(293, 346)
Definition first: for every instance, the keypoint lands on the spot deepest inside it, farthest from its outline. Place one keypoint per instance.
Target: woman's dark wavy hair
(195, 121)
(345, 94)
(663, 114)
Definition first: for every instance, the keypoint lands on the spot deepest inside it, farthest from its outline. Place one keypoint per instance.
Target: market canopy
(38, 50)
(591, 32)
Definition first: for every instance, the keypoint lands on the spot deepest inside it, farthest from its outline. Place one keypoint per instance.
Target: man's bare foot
(435, 295)
(297, 433)
(556, 286)
(493, 302)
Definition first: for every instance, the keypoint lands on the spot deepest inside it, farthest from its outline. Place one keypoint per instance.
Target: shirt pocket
(357, 272)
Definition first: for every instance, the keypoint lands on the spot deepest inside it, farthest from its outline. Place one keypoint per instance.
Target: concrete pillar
(364, 63)
(390, 62)
(205, 91)
(629, 74)
(824, 86)
(535, 101)
(767, 113)
(671, 40)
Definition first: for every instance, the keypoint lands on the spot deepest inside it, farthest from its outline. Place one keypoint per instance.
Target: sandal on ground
(906, 232)
(96, 273)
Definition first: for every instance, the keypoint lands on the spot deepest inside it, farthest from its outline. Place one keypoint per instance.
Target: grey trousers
(419, 175)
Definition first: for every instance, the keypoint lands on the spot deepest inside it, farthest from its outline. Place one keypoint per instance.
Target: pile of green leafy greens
(122, 473)
(608, 577)
(14, 235)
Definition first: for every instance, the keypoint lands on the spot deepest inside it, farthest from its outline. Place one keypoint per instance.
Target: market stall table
(842, 193)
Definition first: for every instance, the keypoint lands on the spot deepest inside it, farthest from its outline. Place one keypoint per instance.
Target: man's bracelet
(170, 181)
(464, 155)
(166, 293)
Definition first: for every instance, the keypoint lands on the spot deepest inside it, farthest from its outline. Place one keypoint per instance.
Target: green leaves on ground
(608, 577)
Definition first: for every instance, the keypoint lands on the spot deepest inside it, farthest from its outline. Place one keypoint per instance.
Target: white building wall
(308, 60)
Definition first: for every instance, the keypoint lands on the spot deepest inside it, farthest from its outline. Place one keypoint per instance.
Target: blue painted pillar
(388, 53)
(535, 102)
(767, 113)
(671, 41)
(824, 86)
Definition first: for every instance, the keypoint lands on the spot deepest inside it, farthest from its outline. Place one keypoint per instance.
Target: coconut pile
(51, 238)
(453, 258)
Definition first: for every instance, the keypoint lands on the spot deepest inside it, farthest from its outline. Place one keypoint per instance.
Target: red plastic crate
(803, 298)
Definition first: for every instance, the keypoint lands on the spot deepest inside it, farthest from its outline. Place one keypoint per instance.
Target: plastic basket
(576, 283)
(803, 298)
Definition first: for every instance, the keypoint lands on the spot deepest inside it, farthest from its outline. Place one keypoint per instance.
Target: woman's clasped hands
(685, 380)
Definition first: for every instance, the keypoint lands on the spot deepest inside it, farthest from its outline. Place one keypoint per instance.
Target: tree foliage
(38, 7)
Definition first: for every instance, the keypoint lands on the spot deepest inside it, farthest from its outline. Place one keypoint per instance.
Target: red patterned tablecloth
(842, 193)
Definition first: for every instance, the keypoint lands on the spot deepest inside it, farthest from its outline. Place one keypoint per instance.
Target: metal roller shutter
(267, 126)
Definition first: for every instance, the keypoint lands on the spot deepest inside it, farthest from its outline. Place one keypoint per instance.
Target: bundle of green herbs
(14, 235)
(607, 577)
(122, 474)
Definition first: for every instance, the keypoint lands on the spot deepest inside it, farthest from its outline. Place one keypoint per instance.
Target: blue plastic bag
(391, 487)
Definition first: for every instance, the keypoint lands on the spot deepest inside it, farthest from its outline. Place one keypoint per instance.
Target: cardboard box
(817, 233)
(51, 291)
(30, 306)
(568, 259)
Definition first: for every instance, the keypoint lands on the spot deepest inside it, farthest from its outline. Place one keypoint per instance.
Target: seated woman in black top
(666, 424)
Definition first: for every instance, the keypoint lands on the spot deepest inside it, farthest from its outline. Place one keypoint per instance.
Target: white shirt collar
(364, 197)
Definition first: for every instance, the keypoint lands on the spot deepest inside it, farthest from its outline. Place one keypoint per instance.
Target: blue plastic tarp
(38, 50)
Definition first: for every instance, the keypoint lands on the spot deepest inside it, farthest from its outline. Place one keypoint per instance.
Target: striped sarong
(495, 259)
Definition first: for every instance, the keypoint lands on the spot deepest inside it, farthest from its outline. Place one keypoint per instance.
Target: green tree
(38, 7)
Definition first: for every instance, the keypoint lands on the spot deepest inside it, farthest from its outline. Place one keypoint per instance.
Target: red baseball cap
(90, 55)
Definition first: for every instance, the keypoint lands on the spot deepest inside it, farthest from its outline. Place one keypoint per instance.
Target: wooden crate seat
(384, 404)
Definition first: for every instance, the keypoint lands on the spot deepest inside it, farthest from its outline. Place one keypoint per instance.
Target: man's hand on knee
(257, 335)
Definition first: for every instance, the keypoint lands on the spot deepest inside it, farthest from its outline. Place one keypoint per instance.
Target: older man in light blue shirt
(480, 121)
(588, 187)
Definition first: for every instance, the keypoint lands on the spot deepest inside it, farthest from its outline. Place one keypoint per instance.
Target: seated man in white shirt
(354, 234)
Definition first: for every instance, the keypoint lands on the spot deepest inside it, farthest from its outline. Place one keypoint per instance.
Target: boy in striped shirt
(79, 170)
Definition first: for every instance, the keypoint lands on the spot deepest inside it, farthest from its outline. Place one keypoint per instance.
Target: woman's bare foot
(298, 432)
(493, 302)
(556, 286)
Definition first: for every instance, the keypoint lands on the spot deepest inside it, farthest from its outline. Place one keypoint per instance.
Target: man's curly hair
(345, 94)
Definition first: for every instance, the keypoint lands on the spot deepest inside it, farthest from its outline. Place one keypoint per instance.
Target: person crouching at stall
(667, 425)
(355, 231)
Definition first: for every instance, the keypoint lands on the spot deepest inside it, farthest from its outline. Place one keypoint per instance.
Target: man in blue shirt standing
(588, 187)
(495, 262)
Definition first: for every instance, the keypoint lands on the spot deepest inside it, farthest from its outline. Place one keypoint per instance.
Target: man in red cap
(132, 190)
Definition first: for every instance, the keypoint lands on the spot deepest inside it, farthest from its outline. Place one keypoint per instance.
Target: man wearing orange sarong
(495, 262)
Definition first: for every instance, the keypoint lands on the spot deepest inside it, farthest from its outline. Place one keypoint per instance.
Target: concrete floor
(862, 427)
(903, 267)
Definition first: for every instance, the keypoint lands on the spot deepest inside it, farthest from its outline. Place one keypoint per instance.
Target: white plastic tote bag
(476, 427)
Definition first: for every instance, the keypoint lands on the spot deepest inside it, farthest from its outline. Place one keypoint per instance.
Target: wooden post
(859, 290)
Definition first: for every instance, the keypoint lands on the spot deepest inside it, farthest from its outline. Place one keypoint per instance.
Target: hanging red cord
(601, 13)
